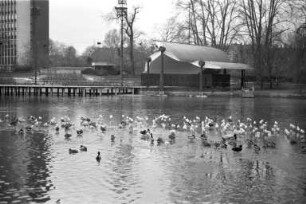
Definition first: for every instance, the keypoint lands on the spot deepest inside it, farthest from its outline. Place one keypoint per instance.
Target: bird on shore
(237, 149)
(203, 136)
(172, 135)
(79, 132)
(57, 129)
(256, 147)
(103, 128)
(14, 122)
(113, 138)
(29, 128)
(21, 131)
(67, 135)
(160, 141)
(205, 143)
(83, 148)
(73, 151)
(144, 132)
(191, 138)
(98, 157)
(151, 139)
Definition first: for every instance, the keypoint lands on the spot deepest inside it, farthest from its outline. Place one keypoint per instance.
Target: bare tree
(172, 31)
(130, 31)
(211, 22)
(264, 21)
(130, 19)
(112, 39)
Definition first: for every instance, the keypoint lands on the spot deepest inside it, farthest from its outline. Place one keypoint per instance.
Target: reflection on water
(36, 167)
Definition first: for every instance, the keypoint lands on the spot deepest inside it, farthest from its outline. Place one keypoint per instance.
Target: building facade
(24, 34)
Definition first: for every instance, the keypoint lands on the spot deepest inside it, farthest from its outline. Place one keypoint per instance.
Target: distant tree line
(61, 55)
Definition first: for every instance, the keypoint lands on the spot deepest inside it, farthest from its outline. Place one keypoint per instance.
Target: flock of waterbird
(211, 133)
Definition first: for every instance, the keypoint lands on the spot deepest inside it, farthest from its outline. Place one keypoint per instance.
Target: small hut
(103, 68)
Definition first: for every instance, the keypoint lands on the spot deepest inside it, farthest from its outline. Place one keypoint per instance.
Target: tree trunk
(132, 55)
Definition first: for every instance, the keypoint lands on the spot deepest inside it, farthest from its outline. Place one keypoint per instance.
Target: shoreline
(238, 93)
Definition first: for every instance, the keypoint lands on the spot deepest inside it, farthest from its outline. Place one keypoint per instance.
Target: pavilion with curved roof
(181, 61)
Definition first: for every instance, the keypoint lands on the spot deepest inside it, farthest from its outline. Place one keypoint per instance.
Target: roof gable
(191, 53)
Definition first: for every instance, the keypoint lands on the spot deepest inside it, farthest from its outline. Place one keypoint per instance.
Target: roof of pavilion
(214, 58)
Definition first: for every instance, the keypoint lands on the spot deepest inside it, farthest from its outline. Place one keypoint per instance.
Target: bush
(23, 69)
(89, 71)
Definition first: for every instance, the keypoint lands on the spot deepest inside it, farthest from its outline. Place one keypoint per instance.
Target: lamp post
(242, 79)
(161, 79)
(121, 13)
(148, 70)
(202, 64)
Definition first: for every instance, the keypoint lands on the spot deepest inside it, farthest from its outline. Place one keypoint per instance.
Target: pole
(202, 64)
(242, 79)
(121, 53)
(161, 79)
(121, 12)
(148, 71)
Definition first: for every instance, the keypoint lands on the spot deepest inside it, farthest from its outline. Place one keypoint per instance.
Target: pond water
(36, 167)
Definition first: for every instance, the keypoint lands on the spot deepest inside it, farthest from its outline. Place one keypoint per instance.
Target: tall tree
(70, 56)
(264, 22)
(172, 31)
(130, 19)
(63, 55)
(112, 39)
(211, 22)
(130, 31)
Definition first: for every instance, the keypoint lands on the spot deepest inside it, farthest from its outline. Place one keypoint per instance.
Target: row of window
(8, 34)
(2, 21)
(8, 25)
(8, 3)
(5, 46)
(7, 60)
(8, 37)
(9, 16)
(7, 13)
(7, 8)
(7, 31)
(8, 52)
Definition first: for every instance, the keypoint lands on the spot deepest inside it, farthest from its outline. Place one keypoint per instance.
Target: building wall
(40, 37)
(23, 12)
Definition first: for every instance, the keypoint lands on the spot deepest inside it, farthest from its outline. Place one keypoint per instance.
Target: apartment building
(24, 34)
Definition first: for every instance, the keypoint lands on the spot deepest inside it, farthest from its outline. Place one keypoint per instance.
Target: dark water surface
(37, 168)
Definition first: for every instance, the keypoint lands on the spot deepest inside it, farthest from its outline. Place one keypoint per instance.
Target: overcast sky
(80, 22)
